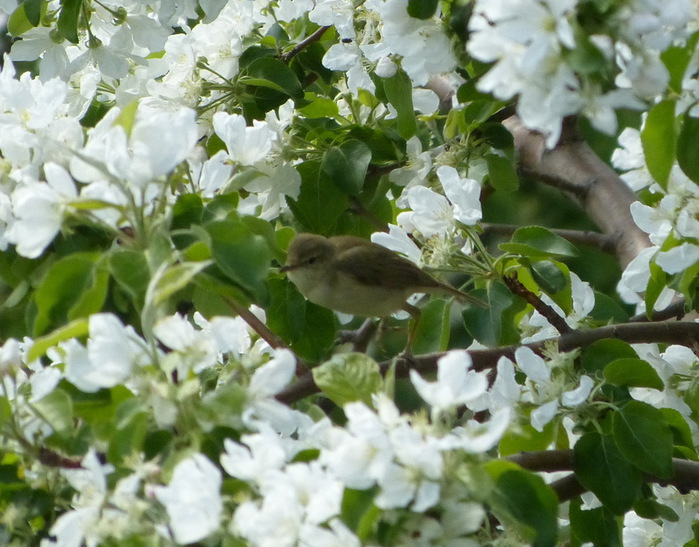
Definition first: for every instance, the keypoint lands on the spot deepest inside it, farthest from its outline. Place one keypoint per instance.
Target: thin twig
(263, 331)
(673, 311)
(361, 337)
(578, 190)
(518, 288)
(255, 324)
(317, 35)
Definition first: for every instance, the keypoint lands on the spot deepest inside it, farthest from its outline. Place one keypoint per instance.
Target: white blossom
(192, 499)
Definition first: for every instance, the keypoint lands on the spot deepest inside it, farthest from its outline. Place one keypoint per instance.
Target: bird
(351, 275)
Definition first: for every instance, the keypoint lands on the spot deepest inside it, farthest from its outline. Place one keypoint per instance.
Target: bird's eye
(311, 260)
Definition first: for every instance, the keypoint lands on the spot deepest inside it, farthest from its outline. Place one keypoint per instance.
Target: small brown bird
(351, 275)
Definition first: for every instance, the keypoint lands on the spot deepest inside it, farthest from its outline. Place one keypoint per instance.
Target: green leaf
(19, 23)
(432, 331)
(56, 409)
(676, 59)
(597, 526)
(687, 156)
(187, 210)
(681, 434)
(548, 276)
(632, 372)
(531, 503)
(347, 165)
(602, 468)
(524, 438)
(502, 174)
(33, 9)
(586, 58)
(536, 242)
(75, 286)
(223, 406)
(651, 509)
(242, 255)
(384, 146)
(286, 314)
(170, 279)
(659, 139)
(274, 74)
(655, 287)
(319, 333)
(399, 92)
(253, 53)
(689, 286)
(359, 512)
(498, 136)
(5, 411)
(644, 438)
(75, 329)
(98, 408)
(128, 439)
(476, 113)
(320, 203)
(494, 324)
(422, 9)
(265, 229)
(608, 310)
(318, 107)
(349, 377)
(127, 117)
(68, 19)
(599, 354)
(130, 270)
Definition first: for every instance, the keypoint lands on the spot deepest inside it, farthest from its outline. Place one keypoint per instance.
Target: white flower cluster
(532, 42)
(673, 219)
(390, 35)
(405, 461)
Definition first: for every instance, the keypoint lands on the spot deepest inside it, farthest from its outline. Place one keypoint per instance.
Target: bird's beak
(287, 268)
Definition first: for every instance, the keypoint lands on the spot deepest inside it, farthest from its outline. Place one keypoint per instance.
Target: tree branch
(518, 288)
(317, 35)
(573, 166)
(676, 310)
(685, 333)
(685, 476)
(263, 332)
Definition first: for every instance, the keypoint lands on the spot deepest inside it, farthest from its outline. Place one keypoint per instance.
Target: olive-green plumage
(351, 275)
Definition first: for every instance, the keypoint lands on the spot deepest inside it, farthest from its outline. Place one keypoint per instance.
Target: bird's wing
(367, 263)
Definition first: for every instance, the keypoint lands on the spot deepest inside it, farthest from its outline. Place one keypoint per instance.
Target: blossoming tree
(164, 383)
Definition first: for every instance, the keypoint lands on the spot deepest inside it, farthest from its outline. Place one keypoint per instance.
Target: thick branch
(573, 167)
(587, 179)
(685, 333)
(685, 476)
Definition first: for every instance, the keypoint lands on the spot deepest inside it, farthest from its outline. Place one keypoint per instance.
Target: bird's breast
(345, 294)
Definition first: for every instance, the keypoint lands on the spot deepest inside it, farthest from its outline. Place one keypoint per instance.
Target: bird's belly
(357, 299)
